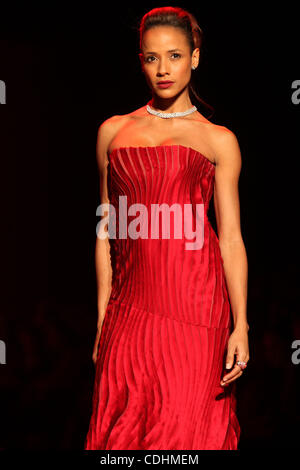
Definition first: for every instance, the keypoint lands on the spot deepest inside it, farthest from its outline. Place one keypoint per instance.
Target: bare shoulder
(225, 146)
(109, 127)
(106, 133)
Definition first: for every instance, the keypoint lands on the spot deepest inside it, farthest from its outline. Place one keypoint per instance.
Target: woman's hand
(237, 345)
(96, 344)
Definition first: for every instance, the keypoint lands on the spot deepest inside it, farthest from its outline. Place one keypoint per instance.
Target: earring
(193, 67)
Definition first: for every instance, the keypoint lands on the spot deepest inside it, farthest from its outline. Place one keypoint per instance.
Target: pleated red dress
(163, 342)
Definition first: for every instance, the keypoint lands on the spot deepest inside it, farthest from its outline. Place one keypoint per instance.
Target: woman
(167, 351)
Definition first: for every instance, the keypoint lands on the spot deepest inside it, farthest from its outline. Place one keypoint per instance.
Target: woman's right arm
(102, 246)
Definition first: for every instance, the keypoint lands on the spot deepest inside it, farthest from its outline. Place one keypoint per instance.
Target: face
(166, 56)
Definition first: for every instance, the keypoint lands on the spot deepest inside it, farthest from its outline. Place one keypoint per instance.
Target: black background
(66, 72)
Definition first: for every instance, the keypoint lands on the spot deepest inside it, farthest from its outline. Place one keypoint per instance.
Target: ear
(196, 55)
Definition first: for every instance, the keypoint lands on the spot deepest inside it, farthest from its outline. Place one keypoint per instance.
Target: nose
(162, 67)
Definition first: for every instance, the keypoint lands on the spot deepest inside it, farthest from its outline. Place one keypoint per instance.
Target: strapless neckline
(163, 146)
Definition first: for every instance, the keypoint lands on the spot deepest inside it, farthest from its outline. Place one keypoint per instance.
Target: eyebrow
(171, 50)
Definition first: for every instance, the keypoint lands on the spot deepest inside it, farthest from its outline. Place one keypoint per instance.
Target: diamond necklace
(170, 115)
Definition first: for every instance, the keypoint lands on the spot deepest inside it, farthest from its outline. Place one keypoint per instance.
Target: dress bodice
(166, 176)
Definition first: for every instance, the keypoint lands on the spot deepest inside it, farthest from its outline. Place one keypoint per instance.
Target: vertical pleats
(164, 337)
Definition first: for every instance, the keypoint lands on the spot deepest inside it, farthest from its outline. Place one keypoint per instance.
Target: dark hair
(179, 18)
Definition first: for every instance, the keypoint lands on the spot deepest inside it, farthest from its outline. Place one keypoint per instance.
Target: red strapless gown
(164, 336)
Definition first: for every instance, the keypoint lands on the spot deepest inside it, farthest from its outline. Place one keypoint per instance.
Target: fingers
(233, 375)
(96, 345)
(229, 364)
(230, 359)
(94, 358)
(236, 347)
(95, 353)
(236, 371)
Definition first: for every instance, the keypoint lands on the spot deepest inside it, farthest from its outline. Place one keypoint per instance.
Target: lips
(164, 83)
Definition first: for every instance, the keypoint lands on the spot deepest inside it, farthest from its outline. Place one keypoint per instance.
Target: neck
(169, 105)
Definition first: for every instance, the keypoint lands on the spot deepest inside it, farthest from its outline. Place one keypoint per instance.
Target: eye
(152, 57)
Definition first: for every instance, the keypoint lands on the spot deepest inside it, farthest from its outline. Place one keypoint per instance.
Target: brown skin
(164, 65)
(219, 144)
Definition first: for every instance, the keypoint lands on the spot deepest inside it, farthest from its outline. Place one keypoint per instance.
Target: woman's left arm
(227, 210)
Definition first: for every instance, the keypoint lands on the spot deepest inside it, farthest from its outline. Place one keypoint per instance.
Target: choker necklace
(170, 115)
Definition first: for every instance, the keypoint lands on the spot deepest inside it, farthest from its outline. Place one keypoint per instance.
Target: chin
(166, 91)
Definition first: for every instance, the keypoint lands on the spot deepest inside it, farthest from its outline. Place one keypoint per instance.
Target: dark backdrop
(65, 73)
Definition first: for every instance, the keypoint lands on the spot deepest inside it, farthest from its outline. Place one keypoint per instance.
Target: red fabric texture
(163, 342)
